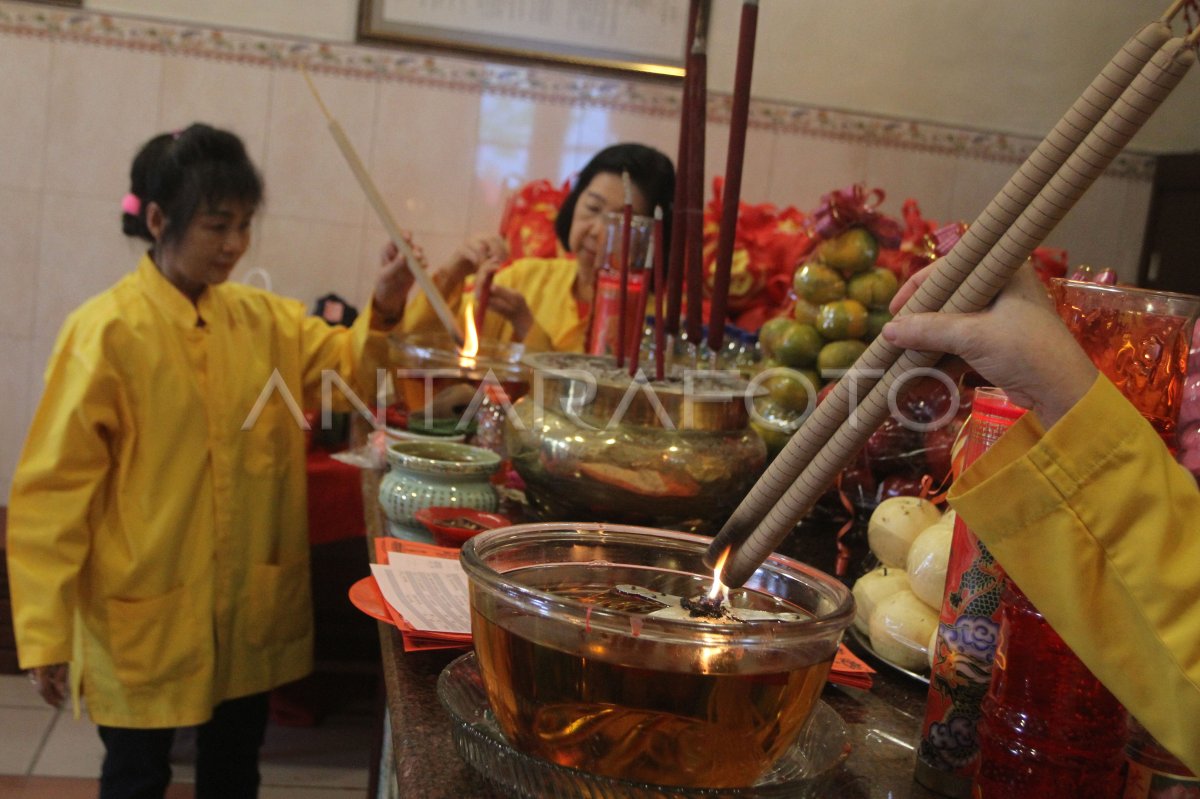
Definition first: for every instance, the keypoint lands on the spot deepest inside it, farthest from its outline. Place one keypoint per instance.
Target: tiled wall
(444, 138)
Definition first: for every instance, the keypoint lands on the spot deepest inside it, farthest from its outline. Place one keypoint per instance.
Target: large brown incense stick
(977, 288)
(738, 115)
(975, 243)
(385, 216)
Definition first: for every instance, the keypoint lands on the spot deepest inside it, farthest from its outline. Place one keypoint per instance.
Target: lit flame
(719, 588)
(470, 347)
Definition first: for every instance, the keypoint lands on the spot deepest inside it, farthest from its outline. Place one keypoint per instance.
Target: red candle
(623, 304)
(635, 345)
(733, 174)
(694, 207)
(660, 330)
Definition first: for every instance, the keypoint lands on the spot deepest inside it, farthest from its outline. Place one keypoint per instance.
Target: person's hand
(394, 281)
(475, 253)
(1018, 344)
(51, 682)
(512, 306)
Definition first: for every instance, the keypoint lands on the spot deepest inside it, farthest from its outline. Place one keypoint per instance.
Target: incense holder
(593, 444)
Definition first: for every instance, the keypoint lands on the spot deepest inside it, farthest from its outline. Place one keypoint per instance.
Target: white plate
(863, 641)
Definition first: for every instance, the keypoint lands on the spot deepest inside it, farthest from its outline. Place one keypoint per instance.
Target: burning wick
(715, 603)
(470, 347)
(713, 608)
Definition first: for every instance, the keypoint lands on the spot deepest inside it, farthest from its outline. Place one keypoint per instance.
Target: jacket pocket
(155, 640)
(280, 603)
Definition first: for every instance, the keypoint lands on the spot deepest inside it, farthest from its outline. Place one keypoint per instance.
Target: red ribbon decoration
(854, 206)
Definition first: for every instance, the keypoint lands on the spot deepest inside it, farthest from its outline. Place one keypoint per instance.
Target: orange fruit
(818, 283)
(771, 332)
(875, 322)
(804, 311)
(842, 319)
(874, 288)
(850, 252)
(838, 355)
(798, 346)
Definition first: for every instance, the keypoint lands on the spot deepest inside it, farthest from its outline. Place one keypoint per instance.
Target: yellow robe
(153, 542)
(545, 283)
(1100, 527)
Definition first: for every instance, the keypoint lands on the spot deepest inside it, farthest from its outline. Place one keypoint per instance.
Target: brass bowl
(593, 445)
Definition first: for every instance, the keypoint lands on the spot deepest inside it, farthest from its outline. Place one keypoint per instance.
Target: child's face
(605, 193)
(209, 249)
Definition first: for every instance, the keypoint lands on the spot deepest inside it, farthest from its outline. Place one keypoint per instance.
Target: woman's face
(605, 193)
(209, 249)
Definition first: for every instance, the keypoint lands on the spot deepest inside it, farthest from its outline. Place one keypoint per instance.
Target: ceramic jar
(427, 474)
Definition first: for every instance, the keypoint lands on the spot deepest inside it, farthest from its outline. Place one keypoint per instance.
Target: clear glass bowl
(808, 770)
(577, 674)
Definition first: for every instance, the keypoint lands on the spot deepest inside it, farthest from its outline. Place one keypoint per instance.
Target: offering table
(883, 722)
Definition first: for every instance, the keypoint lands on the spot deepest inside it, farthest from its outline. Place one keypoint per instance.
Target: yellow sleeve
(419, 316)
(1100, 527)
(63, 466)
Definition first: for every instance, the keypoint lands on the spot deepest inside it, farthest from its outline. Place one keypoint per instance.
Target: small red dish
(452, 526)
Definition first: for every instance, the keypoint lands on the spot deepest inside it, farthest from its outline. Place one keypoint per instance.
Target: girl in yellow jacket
(545, 303)
(157, 542)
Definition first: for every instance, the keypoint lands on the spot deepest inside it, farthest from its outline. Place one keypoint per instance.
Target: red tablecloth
(335, 509)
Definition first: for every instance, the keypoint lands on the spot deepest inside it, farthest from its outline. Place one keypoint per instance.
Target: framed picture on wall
(644, 36)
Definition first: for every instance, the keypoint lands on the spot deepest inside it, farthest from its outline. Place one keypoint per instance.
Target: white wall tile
(1134, 212)
(425, 150)
(83, 252)
(219, 93)
(805, 168)
(103, 105)
(976, 183)
(20, 218)
(305, 173)
(23, 124)
(307, 259)
(903, 174)
(20, 385)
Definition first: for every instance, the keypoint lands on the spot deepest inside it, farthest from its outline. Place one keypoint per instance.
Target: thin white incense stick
(385, 216)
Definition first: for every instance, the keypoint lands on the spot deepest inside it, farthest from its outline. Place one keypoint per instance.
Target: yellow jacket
(153, 542)
(1100, 527)
(545, 283)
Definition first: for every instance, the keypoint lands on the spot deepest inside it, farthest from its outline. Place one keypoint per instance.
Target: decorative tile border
(540, 84)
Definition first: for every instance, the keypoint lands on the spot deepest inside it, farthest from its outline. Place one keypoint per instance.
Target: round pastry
(895, 523)
(928, 558)
(900, 628)
(872, 588)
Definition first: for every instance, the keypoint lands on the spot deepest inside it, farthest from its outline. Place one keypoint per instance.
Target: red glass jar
(1049, 729)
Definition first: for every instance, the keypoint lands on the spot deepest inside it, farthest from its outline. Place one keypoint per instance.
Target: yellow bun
(871, 589)
(928, 558)
(894, 525)
(900, 628)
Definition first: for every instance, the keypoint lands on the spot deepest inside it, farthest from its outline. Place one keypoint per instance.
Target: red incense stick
(674, 284)
(660, 299)
(623, 304)
(733, 174)
(694, 207)
(639, 326)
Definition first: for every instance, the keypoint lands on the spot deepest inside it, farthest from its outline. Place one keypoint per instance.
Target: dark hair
(650, 170)
(181, 171)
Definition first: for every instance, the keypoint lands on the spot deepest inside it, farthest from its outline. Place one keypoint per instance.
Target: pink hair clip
(131, 204)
